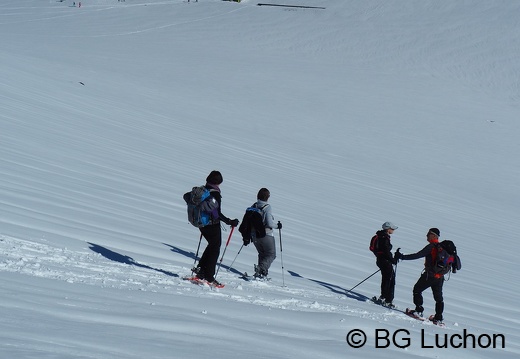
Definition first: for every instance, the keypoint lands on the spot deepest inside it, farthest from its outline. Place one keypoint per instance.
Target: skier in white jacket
(265, 246)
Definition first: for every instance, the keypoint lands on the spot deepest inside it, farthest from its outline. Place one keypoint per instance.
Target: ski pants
(387, 279)
(428, 280)
(266, 248)
(208, 261)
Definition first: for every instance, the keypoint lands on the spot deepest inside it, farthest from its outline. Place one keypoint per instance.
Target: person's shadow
(120, 258)
(334, 288)
(194, 257)
(178, 250)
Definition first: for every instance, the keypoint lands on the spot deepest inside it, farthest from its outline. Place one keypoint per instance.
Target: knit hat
(389, 225)
(215, 178)
(435, 231)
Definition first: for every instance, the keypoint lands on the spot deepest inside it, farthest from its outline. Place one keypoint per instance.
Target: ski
(438, 323)
(194, 280)
(250, 278)
(430, 319)
(246, 277)
(413, 314)
(203, 282)
(380, 302)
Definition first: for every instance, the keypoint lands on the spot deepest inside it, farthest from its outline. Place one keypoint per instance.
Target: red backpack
(374, 245)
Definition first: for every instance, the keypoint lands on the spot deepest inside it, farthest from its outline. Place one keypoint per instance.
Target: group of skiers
(205, 270)
(265, 245)
(430, 277)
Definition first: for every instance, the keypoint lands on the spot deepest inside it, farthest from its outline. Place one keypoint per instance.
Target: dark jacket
(426, 253)
(215, 193)
(384, 247)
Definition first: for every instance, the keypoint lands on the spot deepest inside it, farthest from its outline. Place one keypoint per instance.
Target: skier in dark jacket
(212, 233)
(429, 278)
(385, 262)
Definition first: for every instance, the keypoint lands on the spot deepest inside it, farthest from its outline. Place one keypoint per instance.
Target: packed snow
(352, 113)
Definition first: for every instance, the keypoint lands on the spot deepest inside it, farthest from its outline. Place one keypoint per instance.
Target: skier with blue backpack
(207, 217)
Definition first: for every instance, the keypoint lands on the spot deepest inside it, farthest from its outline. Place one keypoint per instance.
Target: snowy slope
(353, 115)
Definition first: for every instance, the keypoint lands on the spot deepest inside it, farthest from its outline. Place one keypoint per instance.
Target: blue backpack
(202, 207)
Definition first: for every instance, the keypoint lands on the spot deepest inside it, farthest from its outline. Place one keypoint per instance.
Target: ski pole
(231, 265)
(351, 289)
(196, 254)
(227, 243)
(397, 261)
(281, 252)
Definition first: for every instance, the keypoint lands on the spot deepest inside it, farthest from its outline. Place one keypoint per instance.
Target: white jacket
(267, 216)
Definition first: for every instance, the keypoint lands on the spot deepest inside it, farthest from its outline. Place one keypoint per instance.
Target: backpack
(374, 244)
(202, 207)
(445, 258)
(252, 220)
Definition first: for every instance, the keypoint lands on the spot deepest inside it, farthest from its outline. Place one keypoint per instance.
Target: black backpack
(252, 221)
(446, 258)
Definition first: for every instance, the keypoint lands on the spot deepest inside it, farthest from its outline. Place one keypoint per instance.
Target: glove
(398, 256)
(279, 225)
(246, 241)
(234, 222)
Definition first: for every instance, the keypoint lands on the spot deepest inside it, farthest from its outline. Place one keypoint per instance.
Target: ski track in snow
(46, 261)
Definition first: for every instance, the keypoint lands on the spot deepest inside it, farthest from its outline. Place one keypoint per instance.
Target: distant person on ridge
(380, 245)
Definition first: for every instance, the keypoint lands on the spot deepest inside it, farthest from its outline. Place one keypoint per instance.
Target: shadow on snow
(195, 258)
(117, 257)
(334, 288)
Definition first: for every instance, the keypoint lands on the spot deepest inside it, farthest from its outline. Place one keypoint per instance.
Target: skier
(428, 278)
(212, 233)
(266, 245)
(385, 261)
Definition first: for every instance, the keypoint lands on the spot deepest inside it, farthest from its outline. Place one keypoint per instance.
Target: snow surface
(364, 112)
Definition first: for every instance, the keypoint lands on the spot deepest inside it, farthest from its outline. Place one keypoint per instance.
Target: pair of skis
(203, 282)
(249, 278)
(430, 319)
(409, 312)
